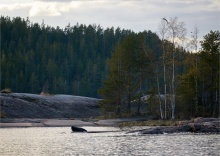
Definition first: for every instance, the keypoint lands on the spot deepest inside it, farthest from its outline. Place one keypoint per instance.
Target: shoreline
(29, 122)
(197, 125)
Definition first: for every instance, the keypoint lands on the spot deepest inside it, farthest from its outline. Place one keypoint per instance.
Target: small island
(197, 125)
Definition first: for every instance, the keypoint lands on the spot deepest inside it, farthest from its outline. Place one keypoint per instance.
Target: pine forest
(123, 68)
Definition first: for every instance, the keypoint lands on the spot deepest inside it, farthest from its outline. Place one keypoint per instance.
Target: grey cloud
(56, 0)
(59, 0)
(137, 15)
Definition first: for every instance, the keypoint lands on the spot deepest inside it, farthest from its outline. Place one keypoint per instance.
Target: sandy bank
(10, 123)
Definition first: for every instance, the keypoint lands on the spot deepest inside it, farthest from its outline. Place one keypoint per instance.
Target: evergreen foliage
(133, 64)
(203, 69)
(129, 67)
(36, 58)
(120, 65)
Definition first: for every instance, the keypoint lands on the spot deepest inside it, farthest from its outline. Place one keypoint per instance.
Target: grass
(113, 115)
(151, 123)
(110, 116)
(139, 123)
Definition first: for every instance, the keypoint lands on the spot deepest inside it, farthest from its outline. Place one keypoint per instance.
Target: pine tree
(210, 64)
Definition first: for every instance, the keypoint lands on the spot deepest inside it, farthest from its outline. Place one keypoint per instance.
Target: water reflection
(61, 141)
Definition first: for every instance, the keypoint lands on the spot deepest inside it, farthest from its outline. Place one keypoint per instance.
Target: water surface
(60, 141)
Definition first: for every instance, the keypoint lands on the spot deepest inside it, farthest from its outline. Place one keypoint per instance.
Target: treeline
(126, 69)
(199, 85)
(176, 83)
(36, 58)
(136, 78)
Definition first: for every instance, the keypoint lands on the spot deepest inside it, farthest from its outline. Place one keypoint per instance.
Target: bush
(6, 90)
(2, 115)
(45, 94)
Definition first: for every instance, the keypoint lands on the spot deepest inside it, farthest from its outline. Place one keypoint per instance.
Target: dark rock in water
(184, 128)
(156, 130)
(198, 125)
(170, 129)
(77, 129)
(152, 131)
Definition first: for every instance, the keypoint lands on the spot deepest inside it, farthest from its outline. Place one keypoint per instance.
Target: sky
(136, 15)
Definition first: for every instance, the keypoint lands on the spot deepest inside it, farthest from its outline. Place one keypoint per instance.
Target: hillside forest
(123, 68)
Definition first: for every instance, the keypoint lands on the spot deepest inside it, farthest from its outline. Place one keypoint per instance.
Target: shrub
(2, 115)
(6, 90)
(45, 94)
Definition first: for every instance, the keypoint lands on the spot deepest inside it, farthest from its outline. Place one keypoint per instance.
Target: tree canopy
(126, 69)
(36, 58)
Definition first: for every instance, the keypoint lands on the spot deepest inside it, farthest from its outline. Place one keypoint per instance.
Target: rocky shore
(31, 110)
(198, 125)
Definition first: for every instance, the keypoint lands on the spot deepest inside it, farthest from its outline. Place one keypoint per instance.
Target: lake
(60, 141)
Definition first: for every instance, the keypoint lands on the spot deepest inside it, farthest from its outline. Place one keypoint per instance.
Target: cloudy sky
(137, 15)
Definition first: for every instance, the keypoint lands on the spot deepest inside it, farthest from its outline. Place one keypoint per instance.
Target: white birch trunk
(173, 102)
(165, 85)
(196, 88)
(175, 31)
(195, 45)
(159, 97)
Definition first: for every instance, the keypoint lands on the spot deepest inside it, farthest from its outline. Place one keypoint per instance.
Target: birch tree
(204, 72)
(163, 32)
(174, 31)
(194, 44)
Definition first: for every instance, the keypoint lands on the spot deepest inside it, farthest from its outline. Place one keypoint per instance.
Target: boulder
(184, 128)
(77, 129)
(152, 131)
(170, 129)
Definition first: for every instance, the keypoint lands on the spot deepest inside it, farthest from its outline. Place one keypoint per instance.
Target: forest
(174, 83)
(123, 68)
(36, 58)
